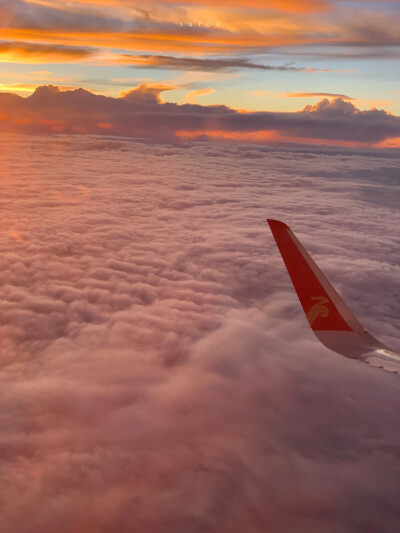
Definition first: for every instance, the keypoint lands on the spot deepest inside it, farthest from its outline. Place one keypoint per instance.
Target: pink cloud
(157, 370)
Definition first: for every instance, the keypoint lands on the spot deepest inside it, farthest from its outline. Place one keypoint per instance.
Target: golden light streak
(38, 52)
(105, 125)
(29, 88)
(192, 96)
(273, 136)
(393, 142)
(18, 87)
(188, 41)
(373, 103)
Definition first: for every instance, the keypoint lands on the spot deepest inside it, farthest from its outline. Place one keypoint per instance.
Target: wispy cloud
(306, 95)
(191, 96)
(203, 65)
(25, 52)
(156, 27)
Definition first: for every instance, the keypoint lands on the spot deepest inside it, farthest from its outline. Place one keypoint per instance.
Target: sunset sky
(157, 372)
(255, 55)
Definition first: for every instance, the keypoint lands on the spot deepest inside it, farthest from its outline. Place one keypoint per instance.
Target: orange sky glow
(249, 55)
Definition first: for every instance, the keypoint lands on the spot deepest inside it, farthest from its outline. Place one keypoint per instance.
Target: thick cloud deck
(157, 371)
(140, 113)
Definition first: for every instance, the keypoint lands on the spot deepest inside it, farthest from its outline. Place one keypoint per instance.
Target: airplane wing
(329, 317)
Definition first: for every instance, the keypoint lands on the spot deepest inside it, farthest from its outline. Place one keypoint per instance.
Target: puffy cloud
(140, 113)
(157, 371)
(146, 93)
(336, 107)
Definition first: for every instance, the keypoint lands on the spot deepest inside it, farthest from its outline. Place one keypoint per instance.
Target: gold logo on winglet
(318, 309)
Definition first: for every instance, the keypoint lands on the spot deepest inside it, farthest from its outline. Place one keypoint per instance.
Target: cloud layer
(140, 113)
(157, 371)
(325, 28)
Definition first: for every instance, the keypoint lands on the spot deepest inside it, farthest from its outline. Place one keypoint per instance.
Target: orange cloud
(271, 137)
(191, 97)
(394, 142)
(244, 26)
(291, 6)
(85, 190)
(55, 125)
(25, 52)
(22, 121)
(241, 136)
(199, 42)
(148, 93)
(105, 125)
(312, 95)
(29, 87)
(15, 235)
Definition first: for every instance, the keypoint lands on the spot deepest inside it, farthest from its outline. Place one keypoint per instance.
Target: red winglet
(324, 308)
(331, 320)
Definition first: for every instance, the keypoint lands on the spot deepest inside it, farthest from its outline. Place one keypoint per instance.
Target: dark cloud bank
(157, 373)
(140, 113)
(201, 64)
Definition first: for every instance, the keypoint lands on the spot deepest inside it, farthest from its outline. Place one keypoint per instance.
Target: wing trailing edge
(329, 317)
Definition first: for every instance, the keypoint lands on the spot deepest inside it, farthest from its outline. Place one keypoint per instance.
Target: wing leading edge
(329, 317)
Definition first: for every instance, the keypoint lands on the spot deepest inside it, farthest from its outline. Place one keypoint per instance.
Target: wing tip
(277, 224)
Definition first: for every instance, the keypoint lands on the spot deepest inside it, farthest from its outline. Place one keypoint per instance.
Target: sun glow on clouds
(193, 42)
(20, 52)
